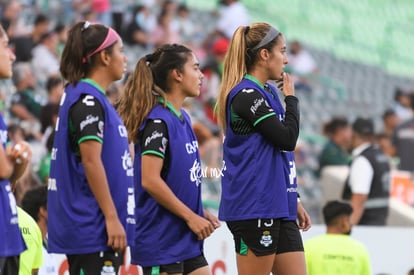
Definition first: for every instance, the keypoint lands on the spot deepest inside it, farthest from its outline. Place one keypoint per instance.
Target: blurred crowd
(38, 32)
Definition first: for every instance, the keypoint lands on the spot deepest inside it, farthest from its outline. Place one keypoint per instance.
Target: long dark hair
(148, 82)
(241, 56)
(83, 39)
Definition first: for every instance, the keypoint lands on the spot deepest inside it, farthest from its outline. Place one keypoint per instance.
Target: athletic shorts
(266, 236)
(184, 267)
(9, 265)
(95, 263)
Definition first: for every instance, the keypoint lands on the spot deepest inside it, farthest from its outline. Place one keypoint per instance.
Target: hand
(20, 153)
(286, 85)
(200, 226)
(213, 219)
(116, 234)
(304, 221)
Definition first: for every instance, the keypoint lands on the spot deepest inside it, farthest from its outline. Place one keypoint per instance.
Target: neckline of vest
(171, 108)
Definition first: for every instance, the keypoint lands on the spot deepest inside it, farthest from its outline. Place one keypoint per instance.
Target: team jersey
(76, 223)
(260, 179)
(161, 237)
(32, 258)
(11, 243)
(331, 254)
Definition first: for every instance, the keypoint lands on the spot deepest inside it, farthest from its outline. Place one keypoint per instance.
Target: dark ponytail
(83, 38)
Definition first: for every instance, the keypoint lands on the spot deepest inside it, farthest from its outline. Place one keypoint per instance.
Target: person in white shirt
(368, 183)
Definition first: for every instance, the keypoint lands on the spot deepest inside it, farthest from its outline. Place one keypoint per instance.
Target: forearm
(160, 191)
(6, 166)
(358, 203)
(18, 171)
(96, 177)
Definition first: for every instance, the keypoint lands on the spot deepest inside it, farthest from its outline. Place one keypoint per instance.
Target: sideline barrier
(390, 250)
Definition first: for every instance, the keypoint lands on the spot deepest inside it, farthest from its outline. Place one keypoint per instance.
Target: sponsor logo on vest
(256, 104)
(88, 120)
(131, 206)
(122, 131)
(51, 184)
(191, 147)
(3, 136)
(163, 147)
(54, 153)
(100, 129)
(88, 100)
(127, 164)
(153, 136)
(12, 204)
(195, 172)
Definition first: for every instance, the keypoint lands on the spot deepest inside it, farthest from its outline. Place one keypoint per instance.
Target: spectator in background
(34, 203)
(54, 86)
(141, 25)
(403, 141)
(45, 61)
(61, 31)
(336, 253)
(232, 14)
(302, 66)
(118, 10)
(10, 16)
(213, 70)
(411, 272)
(335, 151)
(185, 25)
(402, 104)
(25, 104)
(165, 32)
(368, 184)
(32, 258)
(102, 9)
(390, 120)
(23, 45)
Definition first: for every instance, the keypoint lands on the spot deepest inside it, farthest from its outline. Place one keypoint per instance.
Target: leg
(196, 266)
(205, 270)
(290, 256)
(256, 243)
(252, 264)
(289, 263)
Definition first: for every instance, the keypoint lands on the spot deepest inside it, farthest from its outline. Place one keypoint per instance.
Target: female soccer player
(259, 190)
(91, 195)
(13, 162)
(170, 220)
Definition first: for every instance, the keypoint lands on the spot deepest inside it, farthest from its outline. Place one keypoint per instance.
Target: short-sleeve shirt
(32, 258)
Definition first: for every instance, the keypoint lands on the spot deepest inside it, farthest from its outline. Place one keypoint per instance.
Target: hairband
(270, 35)
(111, 38)
(86, 25)
(149, 57)
(246, 30)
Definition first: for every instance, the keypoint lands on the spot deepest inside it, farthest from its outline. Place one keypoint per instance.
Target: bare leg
(251, 264)
(205, 270)
(289, 263)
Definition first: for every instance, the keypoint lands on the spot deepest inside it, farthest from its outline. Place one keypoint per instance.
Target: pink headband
(111, 38)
